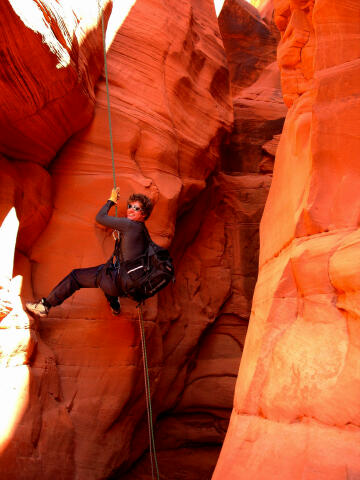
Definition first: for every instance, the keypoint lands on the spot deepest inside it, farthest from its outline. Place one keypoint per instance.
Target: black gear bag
(147, 274)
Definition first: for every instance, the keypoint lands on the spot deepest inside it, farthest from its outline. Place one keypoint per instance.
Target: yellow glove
(114, 196)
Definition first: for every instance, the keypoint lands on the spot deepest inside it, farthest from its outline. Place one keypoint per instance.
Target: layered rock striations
(216, 251)
(296, 412)
(170, 109)
(51, 59)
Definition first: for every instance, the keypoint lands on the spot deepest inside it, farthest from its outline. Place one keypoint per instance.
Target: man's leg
(78, 278)
(114, 304)
(107, 281)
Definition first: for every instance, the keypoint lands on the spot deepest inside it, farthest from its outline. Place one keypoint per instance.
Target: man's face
(134, 212)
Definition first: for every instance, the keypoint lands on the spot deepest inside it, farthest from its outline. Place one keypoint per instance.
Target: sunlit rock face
(170, 109)
(296, 410)
(18, 337)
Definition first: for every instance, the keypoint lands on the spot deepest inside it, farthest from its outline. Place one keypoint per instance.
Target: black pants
(93, 277)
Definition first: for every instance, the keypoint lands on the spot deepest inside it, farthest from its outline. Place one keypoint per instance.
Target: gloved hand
(114, 196)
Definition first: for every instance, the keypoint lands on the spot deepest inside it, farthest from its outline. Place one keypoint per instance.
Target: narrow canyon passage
(216, 252)
(198, 105)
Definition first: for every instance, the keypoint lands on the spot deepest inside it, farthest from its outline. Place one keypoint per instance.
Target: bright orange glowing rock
(296, 411)
(170, 109)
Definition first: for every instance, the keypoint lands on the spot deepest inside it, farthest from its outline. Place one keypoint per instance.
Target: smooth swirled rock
(296, 412)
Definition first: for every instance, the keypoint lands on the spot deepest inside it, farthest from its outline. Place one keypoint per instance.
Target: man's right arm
(109, 221)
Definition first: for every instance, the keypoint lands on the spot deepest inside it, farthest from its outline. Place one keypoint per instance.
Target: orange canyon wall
(216, 252)
(296, 411)
(79, 371)
(76, 377)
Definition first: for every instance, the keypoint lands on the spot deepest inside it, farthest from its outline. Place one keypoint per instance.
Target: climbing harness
(143, 276)
(153, 458)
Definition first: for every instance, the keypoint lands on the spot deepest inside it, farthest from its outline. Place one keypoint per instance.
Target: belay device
(146, 275)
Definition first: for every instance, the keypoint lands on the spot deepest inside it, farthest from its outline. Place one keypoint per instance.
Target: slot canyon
(243, 127)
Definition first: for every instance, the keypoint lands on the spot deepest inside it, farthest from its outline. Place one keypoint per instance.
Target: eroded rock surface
(216, 247)
(296, 413)
(170, 109)
(51, 59)
(250, 41)
(216, 252)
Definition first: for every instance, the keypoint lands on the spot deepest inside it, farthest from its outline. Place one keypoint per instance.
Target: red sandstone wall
(51, 59)
(170, 110)
(86, 380)
(296, 409)
(204, 323)
(216, 252)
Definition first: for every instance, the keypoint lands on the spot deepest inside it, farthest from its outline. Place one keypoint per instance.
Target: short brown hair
(146, 203)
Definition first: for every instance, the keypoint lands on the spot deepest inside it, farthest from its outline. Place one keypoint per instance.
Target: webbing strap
(152, 448)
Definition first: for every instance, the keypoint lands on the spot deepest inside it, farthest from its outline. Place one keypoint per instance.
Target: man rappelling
(112, 277)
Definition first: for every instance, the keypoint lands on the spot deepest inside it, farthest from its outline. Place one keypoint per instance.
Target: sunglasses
(134, 207)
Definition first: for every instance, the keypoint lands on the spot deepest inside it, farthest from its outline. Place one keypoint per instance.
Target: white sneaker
(38, 308)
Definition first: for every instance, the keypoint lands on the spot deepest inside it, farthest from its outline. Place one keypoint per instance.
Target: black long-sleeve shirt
(134, 240)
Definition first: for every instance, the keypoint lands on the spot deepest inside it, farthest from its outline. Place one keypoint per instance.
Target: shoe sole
(36, 314)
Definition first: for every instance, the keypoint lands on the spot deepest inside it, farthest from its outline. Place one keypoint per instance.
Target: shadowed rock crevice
(250, 41)
(227, 213)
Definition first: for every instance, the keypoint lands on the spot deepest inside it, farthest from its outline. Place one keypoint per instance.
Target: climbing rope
(153, 459)
(108, 98)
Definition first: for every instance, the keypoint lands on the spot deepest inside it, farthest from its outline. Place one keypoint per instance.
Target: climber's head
(139, 207)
